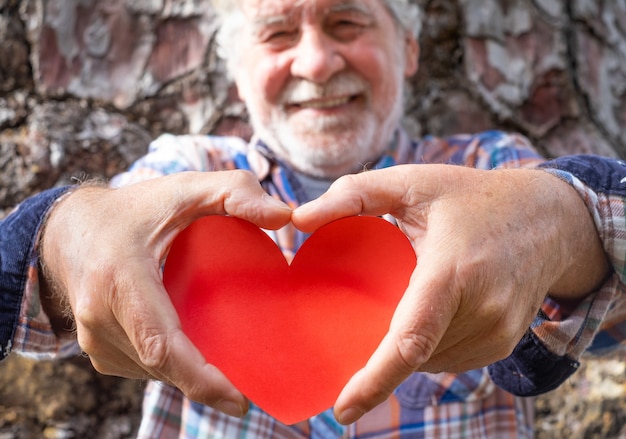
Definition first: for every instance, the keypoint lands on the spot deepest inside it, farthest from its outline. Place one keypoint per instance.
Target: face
(323, 80)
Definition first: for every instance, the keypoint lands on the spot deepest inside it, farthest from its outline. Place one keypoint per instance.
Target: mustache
(302, 90)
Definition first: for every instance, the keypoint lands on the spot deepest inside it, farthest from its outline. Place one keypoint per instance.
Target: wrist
(55, 234)
(584, 261)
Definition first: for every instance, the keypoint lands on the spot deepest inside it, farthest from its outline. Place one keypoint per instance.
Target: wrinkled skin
(108, 266)
(474, 292)
(490, 246)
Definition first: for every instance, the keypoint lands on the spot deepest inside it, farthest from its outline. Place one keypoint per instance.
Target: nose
(316, 57)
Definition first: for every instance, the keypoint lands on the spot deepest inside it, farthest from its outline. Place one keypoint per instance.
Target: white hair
(407, 14)
(230, 21)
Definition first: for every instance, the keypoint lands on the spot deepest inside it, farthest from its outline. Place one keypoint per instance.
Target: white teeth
(324, 103)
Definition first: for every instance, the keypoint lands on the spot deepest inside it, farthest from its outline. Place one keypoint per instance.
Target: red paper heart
(288, 336)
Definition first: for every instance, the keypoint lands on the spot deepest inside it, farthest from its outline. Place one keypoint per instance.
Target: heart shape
(288, 336)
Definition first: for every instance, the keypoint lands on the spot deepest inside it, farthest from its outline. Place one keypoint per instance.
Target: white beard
(328, 146)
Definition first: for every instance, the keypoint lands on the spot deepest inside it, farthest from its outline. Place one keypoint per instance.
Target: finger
(162, 207)
(249, 201)
(370, 193)
(464, 354)
(419, 323)
(165, 352)
(207, 385)
(104, 365)
(108, 357)
(237, 193)
(110, 352)
(180, 364)
(457, 361)
(456, 353)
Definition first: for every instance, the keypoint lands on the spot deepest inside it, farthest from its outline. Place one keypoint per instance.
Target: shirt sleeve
(18, 266)
(169, 154)
(549, 352)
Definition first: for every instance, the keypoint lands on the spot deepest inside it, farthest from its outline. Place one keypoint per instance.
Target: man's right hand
(102, 252)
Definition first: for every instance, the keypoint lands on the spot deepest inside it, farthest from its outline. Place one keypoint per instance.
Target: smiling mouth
(323, 104)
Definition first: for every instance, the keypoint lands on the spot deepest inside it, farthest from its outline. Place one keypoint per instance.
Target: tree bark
(86, 84)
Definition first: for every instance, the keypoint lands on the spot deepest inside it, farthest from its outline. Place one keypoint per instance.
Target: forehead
(258, 9)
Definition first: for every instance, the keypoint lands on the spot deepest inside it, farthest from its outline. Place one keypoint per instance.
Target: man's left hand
(490, 246)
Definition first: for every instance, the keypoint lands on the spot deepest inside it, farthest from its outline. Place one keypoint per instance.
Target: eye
(279, 36)
(347, 26)
(345, 30)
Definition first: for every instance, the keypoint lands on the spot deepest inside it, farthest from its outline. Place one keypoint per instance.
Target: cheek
(266, 76)
(381, 69)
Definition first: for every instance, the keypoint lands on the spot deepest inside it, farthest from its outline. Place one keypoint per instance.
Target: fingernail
(230, 408)
(350, 415)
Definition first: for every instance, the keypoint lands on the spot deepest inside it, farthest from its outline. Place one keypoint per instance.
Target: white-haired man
(500, 251)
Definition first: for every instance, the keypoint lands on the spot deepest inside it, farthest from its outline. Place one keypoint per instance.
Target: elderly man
(500, 250)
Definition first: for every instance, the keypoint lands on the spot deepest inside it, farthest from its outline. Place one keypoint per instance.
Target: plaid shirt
(425, 405)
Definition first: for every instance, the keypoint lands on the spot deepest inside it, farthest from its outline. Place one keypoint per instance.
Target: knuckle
(86, 317)
(88, 331)
(346, 183)
(241, 177)
(350, 190)
(239, 185)
(492, 313)
(153, 351)
(414, 349)
(88, 343)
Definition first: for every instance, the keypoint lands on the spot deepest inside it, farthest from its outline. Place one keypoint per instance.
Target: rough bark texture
(85, 85)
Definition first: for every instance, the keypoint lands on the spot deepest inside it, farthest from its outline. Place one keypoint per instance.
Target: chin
(327, 153)
(329, 163)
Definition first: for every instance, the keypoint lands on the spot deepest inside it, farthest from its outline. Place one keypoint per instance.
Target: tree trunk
(86, 84)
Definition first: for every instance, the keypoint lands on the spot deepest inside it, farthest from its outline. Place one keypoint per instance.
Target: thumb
(165, 352)
(191, 195)
(417, 327)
